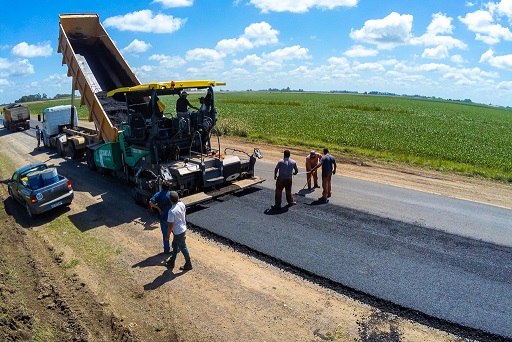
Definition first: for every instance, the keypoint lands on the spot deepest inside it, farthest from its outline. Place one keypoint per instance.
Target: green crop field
(463, 137)
(450, 136)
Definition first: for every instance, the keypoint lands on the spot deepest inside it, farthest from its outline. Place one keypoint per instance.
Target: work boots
(170, 263)
(187, 266)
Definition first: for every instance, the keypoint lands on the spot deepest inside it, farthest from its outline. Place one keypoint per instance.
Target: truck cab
(53, 119)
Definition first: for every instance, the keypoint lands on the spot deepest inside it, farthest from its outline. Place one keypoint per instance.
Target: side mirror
(257, 153)
(39, 117)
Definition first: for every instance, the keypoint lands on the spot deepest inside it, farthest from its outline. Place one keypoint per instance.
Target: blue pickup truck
(40, 188)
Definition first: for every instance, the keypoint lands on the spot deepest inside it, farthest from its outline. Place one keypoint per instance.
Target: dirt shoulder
(92, 272)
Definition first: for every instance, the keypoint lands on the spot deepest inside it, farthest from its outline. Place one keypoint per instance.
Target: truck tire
(89, 157)
(30, 214)
(43, 139)
(73, 152)
(60, 149)
(11, 194)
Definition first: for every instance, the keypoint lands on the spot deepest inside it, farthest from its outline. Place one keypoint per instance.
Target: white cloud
(439, 52)
(360, 51)
(256, 34)
(21, 67)
(503, 8)
(145, 21)
(339, 61)
(200, 54)
(502, 62)
(440, 24)
(169, 62)
(261, 34)
(288, 53)
(174, 3)
(375, 67)
(300, 6)
(505, 85)
(249, 60)
(386, 33)
(137, 46)
(233, 45)
(29, 51)
(457, 59)
(481, 23)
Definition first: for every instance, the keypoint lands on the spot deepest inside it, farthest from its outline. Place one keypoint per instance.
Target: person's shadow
(167, 275)
(276, 211)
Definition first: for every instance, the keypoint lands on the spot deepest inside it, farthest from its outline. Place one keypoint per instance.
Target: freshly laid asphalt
(448, 258)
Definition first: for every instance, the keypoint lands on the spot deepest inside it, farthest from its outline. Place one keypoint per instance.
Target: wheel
(72, 151)
(89, 157)
(60, 150)
(29, 212)
(43, 139)
(11, 194)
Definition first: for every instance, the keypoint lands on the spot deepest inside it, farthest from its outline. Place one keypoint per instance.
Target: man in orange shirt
(312, 161)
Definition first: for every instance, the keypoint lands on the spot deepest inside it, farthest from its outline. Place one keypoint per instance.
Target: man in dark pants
(283, 173)
(161, 202)
(328, 164)
(177, 224)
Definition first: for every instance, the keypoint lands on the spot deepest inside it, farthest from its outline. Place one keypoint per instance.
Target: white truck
(61, 131)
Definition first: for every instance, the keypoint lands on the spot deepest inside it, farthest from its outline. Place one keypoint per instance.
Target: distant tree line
(287, 89)
(39, 97)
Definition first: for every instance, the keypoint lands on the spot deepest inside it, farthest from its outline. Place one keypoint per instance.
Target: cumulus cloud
(437, 35)
(145, 21)
(505, 85)
(26, 50)
(360, 51)
(288, 53)
(200, 54)
(502, 8)
(457, 59)
(386, 33)
(21, 67)
(249, 60)
(169, 62)
(255, 35)
(295, 6)
(137, 46)
(439, 52)
(482, 24)
(174, 3)
(375, 67)
(501, 62)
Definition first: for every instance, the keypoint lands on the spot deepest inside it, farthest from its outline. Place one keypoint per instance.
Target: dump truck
(60, 129)
(16, 116)
(138, 138)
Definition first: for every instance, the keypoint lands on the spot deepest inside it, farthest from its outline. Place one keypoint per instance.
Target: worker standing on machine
(311, 161)
(183, 104)
(161, 201)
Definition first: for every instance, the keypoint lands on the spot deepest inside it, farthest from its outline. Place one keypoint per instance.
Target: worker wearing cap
(178, 226)
(183, 104)
(312, 161)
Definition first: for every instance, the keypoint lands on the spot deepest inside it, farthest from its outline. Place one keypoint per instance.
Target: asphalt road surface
(448, 258)
(445, 257)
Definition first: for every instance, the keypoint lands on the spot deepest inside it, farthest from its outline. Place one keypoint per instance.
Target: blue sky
(451, 48)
